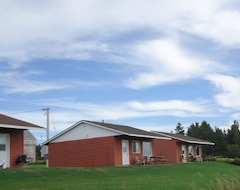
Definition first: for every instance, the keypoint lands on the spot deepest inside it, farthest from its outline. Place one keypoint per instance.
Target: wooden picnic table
(158, 160)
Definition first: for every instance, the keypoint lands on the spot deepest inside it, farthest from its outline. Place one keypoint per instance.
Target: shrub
(236, 161)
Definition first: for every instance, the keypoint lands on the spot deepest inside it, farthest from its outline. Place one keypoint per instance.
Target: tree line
(227, 142)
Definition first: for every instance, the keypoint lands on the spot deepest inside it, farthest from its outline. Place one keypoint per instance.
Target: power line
(14, 113)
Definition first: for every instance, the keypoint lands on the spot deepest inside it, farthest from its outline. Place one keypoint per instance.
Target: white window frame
(145, 146)
(190, 150)
(136, 147)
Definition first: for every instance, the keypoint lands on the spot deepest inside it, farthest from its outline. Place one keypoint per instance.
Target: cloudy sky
(145, 63)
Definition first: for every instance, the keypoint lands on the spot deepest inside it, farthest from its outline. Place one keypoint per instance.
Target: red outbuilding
(89, 143)
(12, 139)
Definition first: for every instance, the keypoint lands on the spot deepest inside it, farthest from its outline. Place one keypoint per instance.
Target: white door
(125, 152)
(4, 149)
(184, 153)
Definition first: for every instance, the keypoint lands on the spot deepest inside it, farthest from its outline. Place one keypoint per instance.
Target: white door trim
(5, 154)
(184, 153)
(125, 152)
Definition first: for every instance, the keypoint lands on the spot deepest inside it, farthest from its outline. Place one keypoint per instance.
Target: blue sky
(145, 63)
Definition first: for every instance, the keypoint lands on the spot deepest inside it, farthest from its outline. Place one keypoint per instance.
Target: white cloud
(188, 106)
(165, 61)
(30, 27)
(14, 82)
(19, 83)
(221, 27)
(229, 90)
(132, 109)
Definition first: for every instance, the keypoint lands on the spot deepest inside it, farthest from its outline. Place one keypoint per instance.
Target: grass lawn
(197, 176)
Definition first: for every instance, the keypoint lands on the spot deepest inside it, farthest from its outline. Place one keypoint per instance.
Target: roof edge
(61, 133)
(184, 140)
(21, 127)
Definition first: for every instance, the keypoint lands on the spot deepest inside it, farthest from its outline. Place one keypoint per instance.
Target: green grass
(197, 176)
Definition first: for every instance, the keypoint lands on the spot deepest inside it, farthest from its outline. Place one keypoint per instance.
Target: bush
(236, 161)
(209, 158)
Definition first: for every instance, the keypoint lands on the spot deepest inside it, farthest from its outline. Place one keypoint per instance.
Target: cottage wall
(84, 153)
(16, 146)
(167, 148)
(118, 151)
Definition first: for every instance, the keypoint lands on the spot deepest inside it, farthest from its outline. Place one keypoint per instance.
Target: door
(184, 153)
(125, 152)
(4, 149)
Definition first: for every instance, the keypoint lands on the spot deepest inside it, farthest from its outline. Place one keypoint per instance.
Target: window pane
(2, 147)
(198, 150)
(136, 147)
(147, 149)
(190, 150)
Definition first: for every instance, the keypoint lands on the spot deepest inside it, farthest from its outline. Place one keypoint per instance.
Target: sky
(149, 64)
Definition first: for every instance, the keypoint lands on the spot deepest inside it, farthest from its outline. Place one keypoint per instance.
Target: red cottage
(11, 139)
(89, 143)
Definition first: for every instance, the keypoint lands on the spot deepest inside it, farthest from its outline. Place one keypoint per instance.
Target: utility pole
(47, 123)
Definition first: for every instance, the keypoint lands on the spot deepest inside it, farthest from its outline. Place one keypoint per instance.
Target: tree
(38, 152)
(233, 138)
(203, 131)
(233, 135)
(194, 129)
(221, 144)
(179, 129)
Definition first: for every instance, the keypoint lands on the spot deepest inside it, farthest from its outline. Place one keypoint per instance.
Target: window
(2, 147)
(190, 150)
(136, 147)
(147, 149)
(197, 150)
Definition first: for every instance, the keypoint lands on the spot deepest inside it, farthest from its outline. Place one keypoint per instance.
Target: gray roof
(185, 138)
(126, 129)
(28, 135)
(10, 122)
(122, 129)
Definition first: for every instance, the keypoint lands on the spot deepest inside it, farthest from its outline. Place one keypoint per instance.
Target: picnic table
(158, 160)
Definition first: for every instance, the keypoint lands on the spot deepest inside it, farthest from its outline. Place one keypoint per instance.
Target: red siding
(83, 153)
(179, 151)
(16, 146)
(166, 148)
(118, 152)
(105, 151)
(172, 149)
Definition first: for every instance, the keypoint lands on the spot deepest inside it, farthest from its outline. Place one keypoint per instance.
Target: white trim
(125, 154)
(6, 161)
(137, 146)
(202, 143)
(148, 136)
(61, 133)
(183, 140)
(19, 127)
